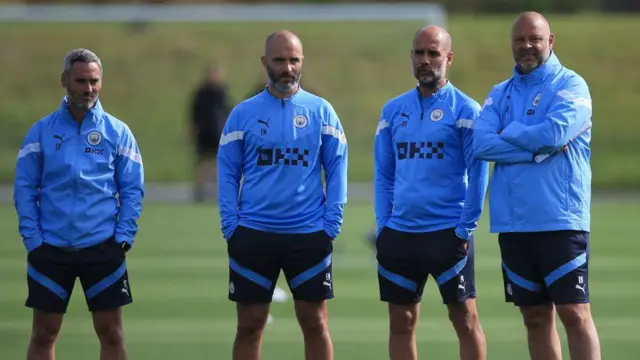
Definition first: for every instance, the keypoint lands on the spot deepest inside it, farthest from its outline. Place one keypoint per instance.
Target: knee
(403, 322)
(575, 315)
(464, 320)
(537, 318)
(251, 321)
(313, 323)
(110, 335)
(44, 335)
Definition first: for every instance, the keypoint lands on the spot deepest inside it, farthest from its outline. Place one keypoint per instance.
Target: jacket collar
(438, 94)
(94, 114)
(540, 74)
(267, 95)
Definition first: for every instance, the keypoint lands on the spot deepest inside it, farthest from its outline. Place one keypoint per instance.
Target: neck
(77, 114)
(282, 95)
(428, 91)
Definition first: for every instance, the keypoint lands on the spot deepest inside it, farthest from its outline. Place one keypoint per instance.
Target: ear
(450, 58)
(63, 79)
(263, 60)
(551, 41)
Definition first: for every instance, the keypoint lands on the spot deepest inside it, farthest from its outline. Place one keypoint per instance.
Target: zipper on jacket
(75, 182)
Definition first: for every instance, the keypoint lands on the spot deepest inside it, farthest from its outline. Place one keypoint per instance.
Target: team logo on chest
(94, 138)
(437, 115)
(536, 100)
(300, 121)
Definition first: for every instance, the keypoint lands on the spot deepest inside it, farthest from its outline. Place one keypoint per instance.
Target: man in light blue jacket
(536, 126)
(78, 195)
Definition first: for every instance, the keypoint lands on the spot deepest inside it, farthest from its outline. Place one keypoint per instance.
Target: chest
(78, 149)
(527, 104)
(435, 123)
(289, 136)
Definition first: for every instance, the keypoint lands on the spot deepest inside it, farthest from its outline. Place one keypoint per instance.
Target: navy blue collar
(95, 113)
(540, 74)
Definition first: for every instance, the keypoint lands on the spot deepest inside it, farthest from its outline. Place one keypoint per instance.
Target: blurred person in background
(209, 109)
(536, 127)
(78, 193)
(429, 194)
(280, 141)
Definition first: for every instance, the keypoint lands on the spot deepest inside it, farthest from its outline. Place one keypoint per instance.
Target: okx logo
(420, 150)
(289, 156)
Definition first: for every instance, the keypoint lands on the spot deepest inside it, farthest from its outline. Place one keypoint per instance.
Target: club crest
(300, 121)
(94, 138)
(536, 100)
(436, 115)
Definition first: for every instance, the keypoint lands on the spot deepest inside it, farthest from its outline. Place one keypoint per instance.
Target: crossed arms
(569, 116)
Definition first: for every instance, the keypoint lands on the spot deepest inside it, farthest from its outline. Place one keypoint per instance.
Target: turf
(178, 273)
(357, 66)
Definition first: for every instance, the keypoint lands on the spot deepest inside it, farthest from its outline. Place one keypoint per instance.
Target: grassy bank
(149, 76)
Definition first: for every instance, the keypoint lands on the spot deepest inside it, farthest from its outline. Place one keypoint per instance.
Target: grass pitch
(178, 272)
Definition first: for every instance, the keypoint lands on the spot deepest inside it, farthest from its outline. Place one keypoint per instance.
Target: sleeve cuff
(463, 234)
(32, 243)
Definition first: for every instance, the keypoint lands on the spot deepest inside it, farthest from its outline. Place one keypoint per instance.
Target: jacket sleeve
(569, 115)
(230, 163)
(334, 162)
(487, 144)
(477, 174)
(129, 176)
(384, 168)
(28, 176)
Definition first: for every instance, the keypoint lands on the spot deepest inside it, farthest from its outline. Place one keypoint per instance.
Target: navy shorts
(544, 267)
(405, 260)
(256, 258)
(102, 269)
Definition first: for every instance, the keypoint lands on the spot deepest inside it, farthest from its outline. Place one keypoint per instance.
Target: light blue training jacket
(524, 124)
(271, 160)
(425, 175)
(78, 184)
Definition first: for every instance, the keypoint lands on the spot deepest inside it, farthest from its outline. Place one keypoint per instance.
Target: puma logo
(581, 288)
(327, 284)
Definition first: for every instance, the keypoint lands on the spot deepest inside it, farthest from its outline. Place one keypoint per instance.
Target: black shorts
(52, 273)
(256, 258)
(544, 267)
(405, 260)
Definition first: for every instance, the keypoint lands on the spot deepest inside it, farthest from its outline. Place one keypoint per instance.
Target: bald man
(279, 142)
(536, 127)
(429, 194)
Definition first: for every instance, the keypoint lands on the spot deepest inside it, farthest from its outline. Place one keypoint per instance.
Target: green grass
(356, 66)
(178, 273)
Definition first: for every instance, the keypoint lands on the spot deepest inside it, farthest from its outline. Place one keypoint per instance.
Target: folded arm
(568, 117)
(487, 144)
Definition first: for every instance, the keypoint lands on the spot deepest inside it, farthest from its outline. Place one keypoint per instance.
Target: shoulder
(398, 101)
(115, 124)
(568, 78)
(46, 122)
(463, 103)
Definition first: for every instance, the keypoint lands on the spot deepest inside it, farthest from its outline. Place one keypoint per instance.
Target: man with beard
(279, 142)
(429, 193)
(536, 126)
(78, 194)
